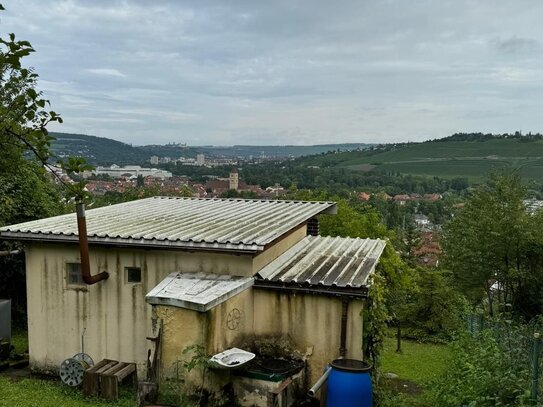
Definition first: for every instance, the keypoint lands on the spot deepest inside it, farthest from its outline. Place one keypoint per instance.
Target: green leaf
(32, 93)
(30, 115)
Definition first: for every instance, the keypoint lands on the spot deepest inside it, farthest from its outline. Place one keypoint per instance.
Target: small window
(133, 275)
(73, 274)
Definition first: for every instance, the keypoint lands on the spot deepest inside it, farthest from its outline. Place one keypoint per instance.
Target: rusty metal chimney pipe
(84, 248)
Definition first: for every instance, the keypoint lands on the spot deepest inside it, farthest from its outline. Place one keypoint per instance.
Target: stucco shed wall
(216, 330)
(281, 246)
(114, 313)
(312, 323)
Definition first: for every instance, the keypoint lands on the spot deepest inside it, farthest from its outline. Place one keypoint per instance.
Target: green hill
(97, 150)
(104, 151)
(444, 158)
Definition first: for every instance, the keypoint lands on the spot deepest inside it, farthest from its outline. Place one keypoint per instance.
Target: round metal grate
(71, 371)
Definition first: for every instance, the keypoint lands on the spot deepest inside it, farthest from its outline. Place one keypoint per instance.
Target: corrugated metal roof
(197, 291)
(214, 224)
(324, 262)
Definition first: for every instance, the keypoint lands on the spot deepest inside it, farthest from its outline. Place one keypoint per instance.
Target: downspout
(84, 248)
(342, 347)
(343, 337)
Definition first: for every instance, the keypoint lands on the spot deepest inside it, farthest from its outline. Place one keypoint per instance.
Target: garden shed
(213, 272)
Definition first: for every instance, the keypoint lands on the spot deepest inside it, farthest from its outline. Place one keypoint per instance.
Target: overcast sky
(285, 72)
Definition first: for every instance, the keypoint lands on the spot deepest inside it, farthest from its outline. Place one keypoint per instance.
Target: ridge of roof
(230, 224)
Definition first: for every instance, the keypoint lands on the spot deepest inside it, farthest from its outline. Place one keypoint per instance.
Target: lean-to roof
(197, 291)
(333, 265)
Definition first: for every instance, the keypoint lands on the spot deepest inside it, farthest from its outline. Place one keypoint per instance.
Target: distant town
(118, 179)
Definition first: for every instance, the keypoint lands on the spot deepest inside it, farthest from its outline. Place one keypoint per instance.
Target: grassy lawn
(33, 392)
(418, 362)
(416, 366)
(19, 340)
(50, 393)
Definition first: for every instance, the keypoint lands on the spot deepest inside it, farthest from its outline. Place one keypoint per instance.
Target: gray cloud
(515, 45)
(215, 72)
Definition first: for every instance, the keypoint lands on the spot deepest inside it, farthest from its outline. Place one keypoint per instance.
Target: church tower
(234, 179)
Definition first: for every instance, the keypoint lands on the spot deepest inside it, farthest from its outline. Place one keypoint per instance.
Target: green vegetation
(494, 249)
(104, 151)
(430, 308)
(489, 369)
(418, 362)
(447, 158)
(19, 340)
(473, 169)
(494, 257)
(417, 367)
(98, 150)
(46, 393)
(25, 191)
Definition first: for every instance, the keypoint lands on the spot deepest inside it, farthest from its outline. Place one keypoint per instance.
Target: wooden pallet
(103, 379)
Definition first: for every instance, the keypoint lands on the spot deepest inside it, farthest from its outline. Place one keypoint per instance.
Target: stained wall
(112, 314)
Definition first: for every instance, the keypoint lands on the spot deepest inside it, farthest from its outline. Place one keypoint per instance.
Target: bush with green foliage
(489, 369)
(433, 308)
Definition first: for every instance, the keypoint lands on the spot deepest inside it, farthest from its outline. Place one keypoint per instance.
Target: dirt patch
(18, 374)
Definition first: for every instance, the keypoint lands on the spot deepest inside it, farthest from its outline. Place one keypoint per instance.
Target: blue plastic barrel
(349, 384)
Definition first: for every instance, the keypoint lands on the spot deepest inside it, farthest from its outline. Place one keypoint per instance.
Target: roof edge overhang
(331, 291)
(135, 243)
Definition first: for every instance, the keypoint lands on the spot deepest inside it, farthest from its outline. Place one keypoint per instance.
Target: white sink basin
(231, 358)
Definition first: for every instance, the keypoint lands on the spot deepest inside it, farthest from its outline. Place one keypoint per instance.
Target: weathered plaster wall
(114, 312)
(230, 322)
(271, 253)
(215, 330)
(312, 323)
(180, 328)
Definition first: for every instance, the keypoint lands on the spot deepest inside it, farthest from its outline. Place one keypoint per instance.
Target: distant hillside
(446, 158)
(280, 151)
(97, 150)
(104, 151)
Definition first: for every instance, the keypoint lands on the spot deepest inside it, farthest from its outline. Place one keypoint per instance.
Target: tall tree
(25, 191)
(485, 245)
(24, 116)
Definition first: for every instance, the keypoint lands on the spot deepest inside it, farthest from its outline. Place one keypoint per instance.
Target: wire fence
(521, 342)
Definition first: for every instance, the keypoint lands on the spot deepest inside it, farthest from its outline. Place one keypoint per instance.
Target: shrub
(490, 369)
(432, 309)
